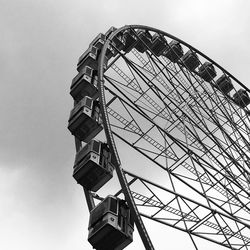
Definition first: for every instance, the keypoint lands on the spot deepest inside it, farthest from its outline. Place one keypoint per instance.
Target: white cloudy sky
(41, 207)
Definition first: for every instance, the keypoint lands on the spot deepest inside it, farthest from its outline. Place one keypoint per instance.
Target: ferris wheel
(162, 133)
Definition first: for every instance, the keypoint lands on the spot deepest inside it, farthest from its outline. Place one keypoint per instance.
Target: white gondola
(117, 41)
(84, 84)
(144, 41)
(159, 44)
(207, 71)
(85, 120)
(98, 41)
(130, 40)
(88, 58)
(190, 60)
(174, 51)
(241, 98)
(111, 225)
(93, 167)
(224, 84)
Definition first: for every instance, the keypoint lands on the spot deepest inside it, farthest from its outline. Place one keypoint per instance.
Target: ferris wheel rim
(101, 69)
(144, 27)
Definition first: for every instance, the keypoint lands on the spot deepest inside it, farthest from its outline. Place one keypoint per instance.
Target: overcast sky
(41, 206)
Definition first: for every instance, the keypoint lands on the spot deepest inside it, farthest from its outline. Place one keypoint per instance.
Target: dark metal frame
(222, 180)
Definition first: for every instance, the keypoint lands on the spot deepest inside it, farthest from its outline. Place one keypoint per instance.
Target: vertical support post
(88, 196)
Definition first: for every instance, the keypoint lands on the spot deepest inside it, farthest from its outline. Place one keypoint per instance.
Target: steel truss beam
(201, 220)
